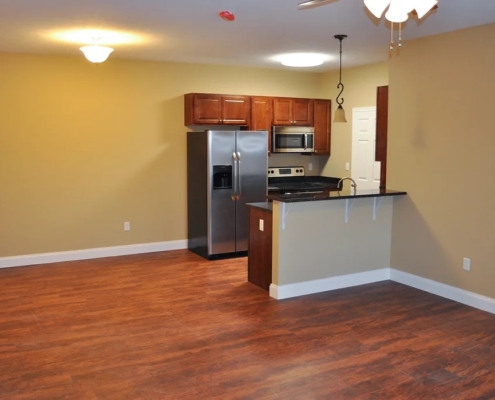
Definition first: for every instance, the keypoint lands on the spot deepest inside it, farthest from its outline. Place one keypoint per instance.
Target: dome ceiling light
(96, 53)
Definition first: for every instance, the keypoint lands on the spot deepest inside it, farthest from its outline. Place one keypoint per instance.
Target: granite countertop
(333, 195)
(265, 205)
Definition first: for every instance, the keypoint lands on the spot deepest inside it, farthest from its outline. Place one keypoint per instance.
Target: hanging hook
(340, 101)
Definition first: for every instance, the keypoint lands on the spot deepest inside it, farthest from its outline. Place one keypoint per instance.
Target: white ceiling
(192, 31)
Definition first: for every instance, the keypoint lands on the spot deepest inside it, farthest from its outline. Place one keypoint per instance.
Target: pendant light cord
(340, 85)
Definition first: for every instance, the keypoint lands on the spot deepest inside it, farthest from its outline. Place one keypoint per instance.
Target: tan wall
(441, 150)
(317, 243)
(360, 91)
(84, 148)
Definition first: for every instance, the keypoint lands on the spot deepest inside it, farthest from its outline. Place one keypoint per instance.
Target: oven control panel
(280, 172)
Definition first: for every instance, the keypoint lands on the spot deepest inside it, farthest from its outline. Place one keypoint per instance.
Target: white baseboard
(440, 289)
(339, 282)
(277, 292)
(87, 254)
(332, 283)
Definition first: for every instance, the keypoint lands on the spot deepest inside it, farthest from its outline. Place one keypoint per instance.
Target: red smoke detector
(226, 15)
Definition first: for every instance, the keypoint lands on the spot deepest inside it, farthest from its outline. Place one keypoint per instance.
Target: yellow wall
(360, 91)
(441, 150)
(85, 147)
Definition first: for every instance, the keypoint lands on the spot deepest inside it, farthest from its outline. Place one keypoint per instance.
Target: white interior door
(364, 169)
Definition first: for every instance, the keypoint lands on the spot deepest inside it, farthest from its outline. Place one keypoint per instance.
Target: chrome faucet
(353, 184)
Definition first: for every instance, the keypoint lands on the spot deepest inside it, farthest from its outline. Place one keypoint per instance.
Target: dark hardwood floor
(174, 326)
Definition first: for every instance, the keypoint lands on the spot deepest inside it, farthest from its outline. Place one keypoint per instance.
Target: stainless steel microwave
(293, 139)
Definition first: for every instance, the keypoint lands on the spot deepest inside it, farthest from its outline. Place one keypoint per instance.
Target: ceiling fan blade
(312, 3)
(414, 12)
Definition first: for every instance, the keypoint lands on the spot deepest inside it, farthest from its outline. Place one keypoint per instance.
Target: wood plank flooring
(174, 326)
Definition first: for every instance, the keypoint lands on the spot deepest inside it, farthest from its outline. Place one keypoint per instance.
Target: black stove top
(297, 185)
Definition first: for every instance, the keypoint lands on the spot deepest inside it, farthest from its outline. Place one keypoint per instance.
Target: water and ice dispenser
(222, 177)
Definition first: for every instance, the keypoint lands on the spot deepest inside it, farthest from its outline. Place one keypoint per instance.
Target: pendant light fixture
(339, 112)
(95, 53)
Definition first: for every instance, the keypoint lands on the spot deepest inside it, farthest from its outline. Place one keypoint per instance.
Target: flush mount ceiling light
(339, 112)
(302, 59)
(398, 11)
(95, 53)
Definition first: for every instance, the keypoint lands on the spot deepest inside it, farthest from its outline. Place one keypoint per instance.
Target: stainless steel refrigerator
(225, 170)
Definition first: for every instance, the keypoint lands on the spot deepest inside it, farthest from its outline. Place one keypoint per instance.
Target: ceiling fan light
(96, 54)
(396, 12)
(407, 5)
(377, 7)
(423, 6)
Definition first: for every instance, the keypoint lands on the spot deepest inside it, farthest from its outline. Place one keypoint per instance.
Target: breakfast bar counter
(330, 240)
(333, 195)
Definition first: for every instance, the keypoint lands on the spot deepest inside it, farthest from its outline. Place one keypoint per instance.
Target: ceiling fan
(377, 7)
(313, 3)
(397, 10)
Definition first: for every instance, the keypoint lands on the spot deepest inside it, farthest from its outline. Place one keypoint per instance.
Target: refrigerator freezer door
(221, 206)
(252, 151)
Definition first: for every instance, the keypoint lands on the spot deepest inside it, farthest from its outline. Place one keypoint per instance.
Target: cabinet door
(236, 110)
(302, 112)
(207, 109)
(282, 111)
(261, 116)
(322, 114)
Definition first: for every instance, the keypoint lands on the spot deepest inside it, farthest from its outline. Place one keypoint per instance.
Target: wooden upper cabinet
(214, 109)
(302, 112)
(282, 111)
(261, 116)
(260, 113)
(322, 124)
(236, 110)
(288, 111)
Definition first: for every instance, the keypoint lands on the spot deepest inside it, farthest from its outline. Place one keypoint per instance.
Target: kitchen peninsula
(330, 240)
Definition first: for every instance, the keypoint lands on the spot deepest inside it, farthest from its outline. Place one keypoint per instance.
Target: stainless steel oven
(290, 180)
(293, 139)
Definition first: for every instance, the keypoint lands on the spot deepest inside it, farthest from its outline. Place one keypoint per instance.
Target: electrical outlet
(347, 166)
(127, 226)
(310, 166)
(466, 264)
(262, 225)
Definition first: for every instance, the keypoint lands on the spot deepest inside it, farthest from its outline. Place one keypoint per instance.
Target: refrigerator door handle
(234, 184)
(239, 187)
